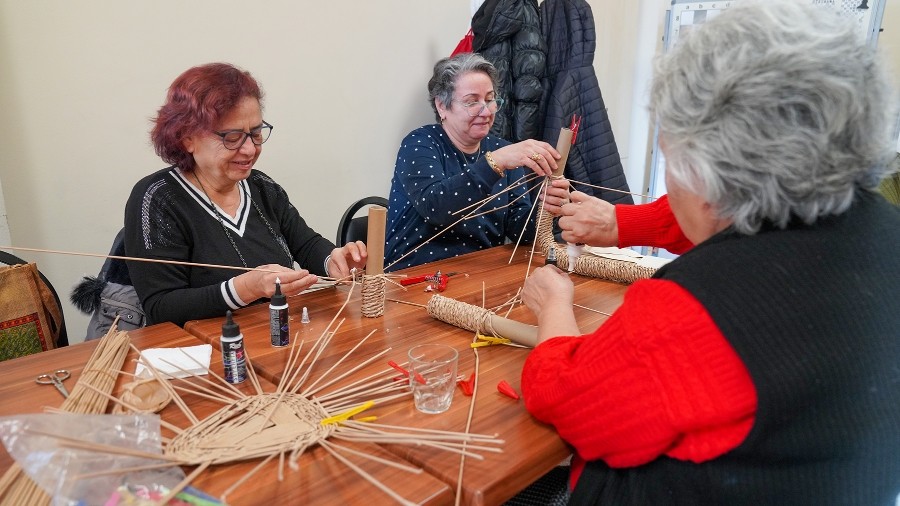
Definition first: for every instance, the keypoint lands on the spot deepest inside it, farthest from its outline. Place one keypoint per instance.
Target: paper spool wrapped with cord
(480, 320)
(373, 284)
(619, 271)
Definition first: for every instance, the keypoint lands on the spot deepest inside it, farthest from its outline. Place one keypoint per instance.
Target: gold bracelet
(492, 163)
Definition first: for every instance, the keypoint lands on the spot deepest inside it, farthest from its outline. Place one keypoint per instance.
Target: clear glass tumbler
(433, 376)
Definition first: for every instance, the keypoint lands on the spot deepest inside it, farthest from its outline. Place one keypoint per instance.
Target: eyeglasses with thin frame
(474, 109)
(234, 139)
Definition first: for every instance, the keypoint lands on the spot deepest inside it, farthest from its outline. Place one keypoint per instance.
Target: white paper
(171, 361)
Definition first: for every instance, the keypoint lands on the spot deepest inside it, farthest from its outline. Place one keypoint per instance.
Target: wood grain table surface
(321, 479)
(485, 279)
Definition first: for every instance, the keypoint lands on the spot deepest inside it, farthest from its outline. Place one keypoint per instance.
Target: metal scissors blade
(56, 379)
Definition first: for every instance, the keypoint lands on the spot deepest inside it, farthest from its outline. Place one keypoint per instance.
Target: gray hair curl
(447, 70)
(774, 110)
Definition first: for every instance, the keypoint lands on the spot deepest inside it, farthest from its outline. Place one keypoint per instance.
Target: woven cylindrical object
(482, 321)
(372, 304)
(618, 271)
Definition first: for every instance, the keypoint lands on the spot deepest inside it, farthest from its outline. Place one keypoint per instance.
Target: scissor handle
(51, 378)
(55, 379)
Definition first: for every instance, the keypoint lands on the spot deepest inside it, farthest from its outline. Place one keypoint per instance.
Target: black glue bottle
(551, 257)
(233, 351)
(279, 324)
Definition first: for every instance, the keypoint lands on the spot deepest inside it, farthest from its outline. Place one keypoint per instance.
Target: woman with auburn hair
(211, 205)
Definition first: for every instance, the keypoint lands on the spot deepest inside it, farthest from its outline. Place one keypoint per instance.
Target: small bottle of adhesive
(233, 351)
(551, 257)
(573, 251)
(279, 324)
(304, 317)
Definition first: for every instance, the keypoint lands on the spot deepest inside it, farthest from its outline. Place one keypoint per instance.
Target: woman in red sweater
(725, 378)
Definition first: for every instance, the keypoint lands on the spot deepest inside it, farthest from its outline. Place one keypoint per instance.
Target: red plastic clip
(418, 377)
(405, 373)
(396, 366)
(468, 386)
(506, 389)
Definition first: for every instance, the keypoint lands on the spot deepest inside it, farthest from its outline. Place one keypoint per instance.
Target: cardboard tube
(375, 240)
(517, 332)
(563, 145)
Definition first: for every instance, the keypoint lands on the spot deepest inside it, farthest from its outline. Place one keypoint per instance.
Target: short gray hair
(774, 110)
(447, 70)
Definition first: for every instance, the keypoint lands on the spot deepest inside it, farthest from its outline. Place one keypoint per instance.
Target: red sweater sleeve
(658, 378)
(651, 224)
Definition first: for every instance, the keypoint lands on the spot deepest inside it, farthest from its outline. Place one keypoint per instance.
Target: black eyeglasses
(234, 139)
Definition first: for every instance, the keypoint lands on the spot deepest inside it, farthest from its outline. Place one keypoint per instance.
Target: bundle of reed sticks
(99, 376)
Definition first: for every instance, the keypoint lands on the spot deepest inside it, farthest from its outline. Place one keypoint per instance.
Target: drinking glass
(432, 370)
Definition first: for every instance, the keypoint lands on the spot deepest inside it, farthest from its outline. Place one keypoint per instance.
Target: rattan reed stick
(371, 479)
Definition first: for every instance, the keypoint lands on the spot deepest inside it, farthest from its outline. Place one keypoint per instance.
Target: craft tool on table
(437, 281)
(56, 379)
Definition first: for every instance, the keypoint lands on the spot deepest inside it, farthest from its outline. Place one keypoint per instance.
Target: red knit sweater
(651, 224)
(658, 378)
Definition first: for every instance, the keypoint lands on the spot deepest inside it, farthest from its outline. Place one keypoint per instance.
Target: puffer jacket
(571, 87)
(508, 34)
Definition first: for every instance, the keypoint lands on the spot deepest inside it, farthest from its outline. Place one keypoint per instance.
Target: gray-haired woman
(445, 167)
(760, 367)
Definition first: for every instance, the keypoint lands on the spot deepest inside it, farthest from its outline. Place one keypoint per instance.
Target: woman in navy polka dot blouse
(445, 167)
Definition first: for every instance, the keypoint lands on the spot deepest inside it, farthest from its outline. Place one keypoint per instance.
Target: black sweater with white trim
(167, 217)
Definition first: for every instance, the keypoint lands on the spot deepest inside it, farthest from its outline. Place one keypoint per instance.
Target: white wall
(345, 81)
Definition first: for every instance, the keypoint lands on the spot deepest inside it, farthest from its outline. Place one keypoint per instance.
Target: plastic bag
(66, 467)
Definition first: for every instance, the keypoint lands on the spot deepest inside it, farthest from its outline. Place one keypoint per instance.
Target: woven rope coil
(460, 314)
(373, 289)
(588, 265)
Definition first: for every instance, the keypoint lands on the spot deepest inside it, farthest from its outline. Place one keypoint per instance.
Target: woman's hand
(549, 294)
(547, 287)
(260, 283)
(538, 156)
(556, 196)
(589, 220)
(351, 255)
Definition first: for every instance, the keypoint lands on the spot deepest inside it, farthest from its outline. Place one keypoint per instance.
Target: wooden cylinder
(375, 240)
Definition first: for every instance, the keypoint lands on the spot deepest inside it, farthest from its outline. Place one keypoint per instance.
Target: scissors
(56, 379)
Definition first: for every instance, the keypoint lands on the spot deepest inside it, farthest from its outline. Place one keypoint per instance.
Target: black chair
(356, 229)
(10, 259)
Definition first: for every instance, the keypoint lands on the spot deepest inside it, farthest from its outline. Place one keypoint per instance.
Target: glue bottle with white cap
(278, 317)
(233, 358)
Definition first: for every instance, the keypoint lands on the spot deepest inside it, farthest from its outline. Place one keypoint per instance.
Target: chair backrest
(356, 229)
(10, 259)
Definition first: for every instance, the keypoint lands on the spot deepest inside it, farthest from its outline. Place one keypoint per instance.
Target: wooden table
(530, 449)
(320, 480)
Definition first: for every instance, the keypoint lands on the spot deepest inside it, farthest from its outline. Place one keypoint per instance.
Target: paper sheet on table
(171, 360)
(627, 255)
